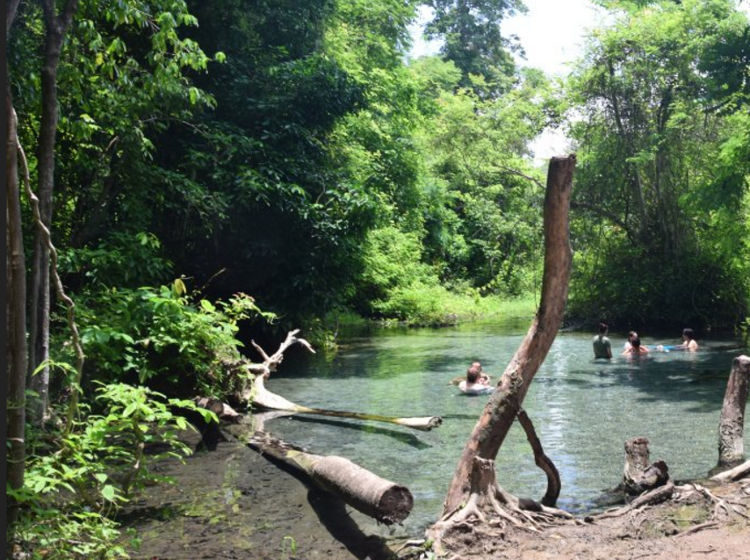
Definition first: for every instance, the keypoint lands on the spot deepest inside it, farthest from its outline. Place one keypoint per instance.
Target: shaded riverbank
(233, 503)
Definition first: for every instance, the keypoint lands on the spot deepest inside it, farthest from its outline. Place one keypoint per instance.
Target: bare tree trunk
(638, 475)
(16, 313)
(55, 29)
(504, 404)
(732, 422)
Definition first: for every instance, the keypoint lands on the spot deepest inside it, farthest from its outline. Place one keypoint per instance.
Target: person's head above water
(472, 374)
(603, 327)
(688, 334)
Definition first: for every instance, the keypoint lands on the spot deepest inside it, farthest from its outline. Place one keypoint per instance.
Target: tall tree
(16, 297)
(471, 484)
(470, 30)
(56, 26)
(651, 175)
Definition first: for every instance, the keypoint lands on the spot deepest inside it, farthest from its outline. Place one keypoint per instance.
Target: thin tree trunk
(16, 313)
(504, 404)
(55, 29)
(732, 422)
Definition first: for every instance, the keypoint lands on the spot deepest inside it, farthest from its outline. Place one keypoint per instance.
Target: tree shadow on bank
(333, 516)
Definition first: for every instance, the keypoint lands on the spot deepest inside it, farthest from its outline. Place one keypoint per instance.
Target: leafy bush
(72, 489)
(122, 259)
(162, 337)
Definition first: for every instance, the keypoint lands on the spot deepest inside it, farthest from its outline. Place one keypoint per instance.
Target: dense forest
(182, 173)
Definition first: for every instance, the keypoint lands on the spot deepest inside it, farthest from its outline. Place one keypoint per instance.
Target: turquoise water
(583, 410)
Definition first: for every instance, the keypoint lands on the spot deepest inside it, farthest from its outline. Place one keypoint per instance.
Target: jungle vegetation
(207, 170)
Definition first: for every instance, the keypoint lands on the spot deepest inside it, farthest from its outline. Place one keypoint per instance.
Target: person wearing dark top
(602, 345)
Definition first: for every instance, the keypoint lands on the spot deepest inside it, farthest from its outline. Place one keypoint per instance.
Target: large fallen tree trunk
(365, 491)
(504, 404)
(264, 398)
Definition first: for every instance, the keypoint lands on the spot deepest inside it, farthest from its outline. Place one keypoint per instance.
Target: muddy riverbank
(233, 503)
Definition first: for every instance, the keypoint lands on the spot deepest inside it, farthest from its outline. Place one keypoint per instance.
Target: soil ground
(233, 503)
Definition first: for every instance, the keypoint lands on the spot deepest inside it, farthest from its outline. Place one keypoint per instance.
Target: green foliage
(163, 338)
(121, 259)
(472, 39)
(75, 484)
(661, 180)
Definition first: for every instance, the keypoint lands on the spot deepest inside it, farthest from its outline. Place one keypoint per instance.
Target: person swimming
(635, 348)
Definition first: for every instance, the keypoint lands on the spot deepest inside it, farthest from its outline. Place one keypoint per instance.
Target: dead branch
(655, 496)
(738, 472)
(696, 528)
(271, 401)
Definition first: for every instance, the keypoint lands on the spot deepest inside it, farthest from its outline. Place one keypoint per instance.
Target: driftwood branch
(736, 473)
(271, 401)
(654, 496)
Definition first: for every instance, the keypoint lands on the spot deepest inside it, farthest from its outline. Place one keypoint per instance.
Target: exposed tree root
(654, 496)
(488, 503)
(729, 507)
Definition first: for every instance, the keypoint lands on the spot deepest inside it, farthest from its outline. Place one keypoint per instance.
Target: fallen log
(264, 398)
(365, 491)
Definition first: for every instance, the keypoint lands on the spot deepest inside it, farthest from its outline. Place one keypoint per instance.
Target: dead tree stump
(732, 422)
(638, 475)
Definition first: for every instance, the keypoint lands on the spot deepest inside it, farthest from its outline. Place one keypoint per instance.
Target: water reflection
(583, 410)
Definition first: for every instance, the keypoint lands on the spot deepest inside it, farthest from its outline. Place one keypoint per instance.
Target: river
(583, 410)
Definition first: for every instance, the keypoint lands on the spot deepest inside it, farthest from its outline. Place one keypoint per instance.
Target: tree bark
(56, 27)
(732, 421)
(638, 475)
(365, 491)
(542, 461)
(504, 404)
(16, 313)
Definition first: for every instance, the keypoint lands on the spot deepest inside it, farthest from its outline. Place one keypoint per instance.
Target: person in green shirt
(602, 346)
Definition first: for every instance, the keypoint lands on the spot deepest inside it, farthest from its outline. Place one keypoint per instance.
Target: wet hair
(603, 327)
(632, 335)
(688, 333)
(635, 341)
(472, 374)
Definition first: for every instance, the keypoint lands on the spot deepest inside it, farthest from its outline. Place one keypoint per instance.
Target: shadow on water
(403, 437)
(698, 378)
(332, 514)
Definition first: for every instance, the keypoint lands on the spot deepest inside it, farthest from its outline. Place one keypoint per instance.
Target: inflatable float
(475, 389)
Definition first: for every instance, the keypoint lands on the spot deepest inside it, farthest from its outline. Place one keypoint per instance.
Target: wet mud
(233, 503)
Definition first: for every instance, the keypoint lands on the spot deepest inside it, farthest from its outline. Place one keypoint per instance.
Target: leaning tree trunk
(732, 422)
(16, 313)
(505, 403)
(55, 28)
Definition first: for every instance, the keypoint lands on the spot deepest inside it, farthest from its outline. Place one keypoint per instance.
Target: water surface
(583, 410)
